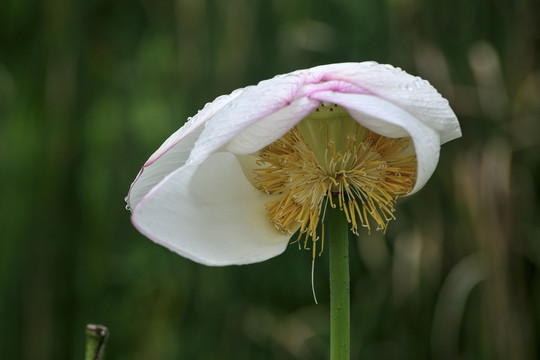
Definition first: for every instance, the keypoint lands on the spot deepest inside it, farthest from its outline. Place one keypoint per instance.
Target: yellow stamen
(329, 154)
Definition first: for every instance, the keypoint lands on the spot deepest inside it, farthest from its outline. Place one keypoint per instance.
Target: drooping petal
(411, 93)
(271, 127)
(211, 214)
(254, 104)
(390, 120)
(174, 152)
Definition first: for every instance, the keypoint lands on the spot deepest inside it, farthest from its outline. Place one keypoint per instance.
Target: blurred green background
(89, 89)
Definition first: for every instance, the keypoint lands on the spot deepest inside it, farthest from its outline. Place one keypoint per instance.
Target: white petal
(271, 127)
(254, 104)
(170, 160)
(210, 214)
(174, 152)
(390, 120)
(411, 93)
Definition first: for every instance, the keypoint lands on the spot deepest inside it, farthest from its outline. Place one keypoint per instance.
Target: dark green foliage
(88, 90)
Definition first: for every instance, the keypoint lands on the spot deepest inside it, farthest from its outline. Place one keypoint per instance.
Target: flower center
(329, 158)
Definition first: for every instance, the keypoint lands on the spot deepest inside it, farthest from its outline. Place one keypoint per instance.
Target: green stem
(96, 336)
(338, 237)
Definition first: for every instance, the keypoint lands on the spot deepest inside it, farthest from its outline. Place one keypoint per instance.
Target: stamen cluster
(364, 177)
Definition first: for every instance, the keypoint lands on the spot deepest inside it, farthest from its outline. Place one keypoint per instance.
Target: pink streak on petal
(190, 129)
(409, 92)
(272, 127)
(341, 86)
(255, 103)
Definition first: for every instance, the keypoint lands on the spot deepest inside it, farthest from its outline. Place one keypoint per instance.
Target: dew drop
(406, 86)
(231, 106)
(128, 208)
(237, 91)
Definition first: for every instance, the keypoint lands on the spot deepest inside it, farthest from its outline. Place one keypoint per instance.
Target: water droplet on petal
(232, 105)
(237, 91)
(128, 208)
(406, 86)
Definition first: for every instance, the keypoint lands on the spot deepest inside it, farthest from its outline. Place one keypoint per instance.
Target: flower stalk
(96, 337)
(337, 235)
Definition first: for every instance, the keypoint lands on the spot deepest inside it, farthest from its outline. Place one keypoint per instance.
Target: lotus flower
(252, 168)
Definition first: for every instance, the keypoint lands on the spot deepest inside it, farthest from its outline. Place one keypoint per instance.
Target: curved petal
(174, 152)
(390, 120)
(411, 93)
(272, 127)
(254, 104)
(211, 214)
(150, 175)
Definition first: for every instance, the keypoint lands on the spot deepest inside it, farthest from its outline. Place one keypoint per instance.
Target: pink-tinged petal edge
(210, 213)
(412, 93)
(271, 128)
(255, 104)
(174, 152)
